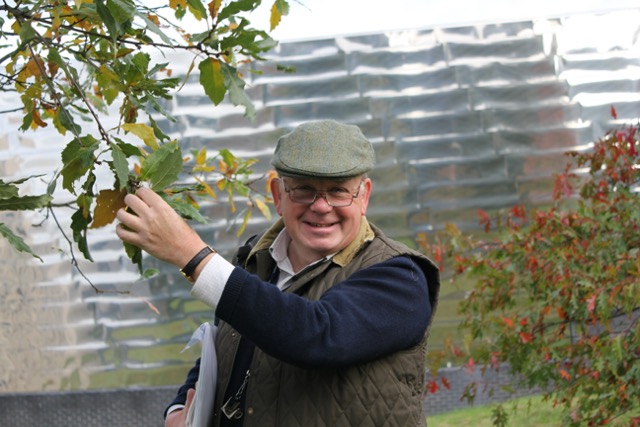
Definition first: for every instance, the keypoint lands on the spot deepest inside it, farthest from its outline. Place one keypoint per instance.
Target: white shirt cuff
(212, 280)
(173, 408)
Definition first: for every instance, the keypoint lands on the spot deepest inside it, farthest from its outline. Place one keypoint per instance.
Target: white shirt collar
(279, 253)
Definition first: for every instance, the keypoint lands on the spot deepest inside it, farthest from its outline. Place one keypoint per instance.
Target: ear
(365, 193)
(277, 193)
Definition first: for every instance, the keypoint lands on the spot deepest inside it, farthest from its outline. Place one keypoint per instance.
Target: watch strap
(191, 266)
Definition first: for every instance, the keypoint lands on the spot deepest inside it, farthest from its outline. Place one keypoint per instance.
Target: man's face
(319, 229)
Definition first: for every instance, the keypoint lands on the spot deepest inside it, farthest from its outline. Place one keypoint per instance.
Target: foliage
(73, 62)
(557, 290)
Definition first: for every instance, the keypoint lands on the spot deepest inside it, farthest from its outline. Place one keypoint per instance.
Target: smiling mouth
(313, 224)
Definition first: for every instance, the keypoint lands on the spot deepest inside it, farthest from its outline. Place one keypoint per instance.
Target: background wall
(461, 118)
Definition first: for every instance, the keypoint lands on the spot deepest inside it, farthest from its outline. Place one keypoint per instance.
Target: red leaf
(614, 113)
(526, 337)
(507, 321)
(471, 364)
(564, 374)
(445, 383)
(591, 303)
(485, 220)
(433, 387)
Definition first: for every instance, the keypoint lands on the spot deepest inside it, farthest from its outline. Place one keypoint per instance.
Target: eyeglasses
(336, 197)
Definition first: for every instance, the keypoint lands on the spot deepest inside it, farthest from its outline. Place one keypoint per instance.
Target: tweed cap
(323, 149)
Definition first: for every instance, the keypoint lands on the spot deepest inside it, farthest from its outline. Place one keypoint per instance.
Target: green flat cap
(323, 149)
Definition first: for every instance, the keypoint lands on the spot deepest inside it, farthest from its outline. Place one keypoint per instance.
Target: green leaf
(197, 9)
(141, 61)
(77, 158)
(26, 122)
(79, 225)
(227, 156)
(66, 120)
(129, 150)
(7, 190)
(107, 18)
(212, 80)
(237, 95)
(135, 255)
(51, 187)
(25, 203)
(16, 241)
(119, 166)
(162, 167)
(27, 33)
(236, 7)
(150, 272)
(186, 210)
(109, 83)
(154, 28)
(241, 189)
(122, 11)
(157, 131)
(54, 56)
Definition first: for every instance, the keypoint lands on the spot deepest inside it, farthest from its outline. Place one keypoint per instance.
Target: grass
(523, 412)
(531, 411)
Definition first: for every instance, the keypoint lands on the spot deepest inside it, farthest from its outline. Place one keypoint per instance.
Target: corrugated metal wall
(461, 118)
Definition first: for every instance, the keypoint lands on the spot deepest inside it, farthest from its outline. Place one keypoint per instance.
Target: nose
(320, 204)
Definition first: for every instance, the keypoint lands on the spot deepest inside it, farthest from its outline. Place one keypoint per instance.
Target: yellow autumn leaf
(247, 215)
(106, 72)
(452, 229)
(35, 66)
(275, 17)
(81, 2)
(36, 120)
(173, 4)
(201, 158)
(144, 132)
(153, 18)
(222, 183)
(56, 22)
(55, 118)
(207, 188)
(203, 168)
(193, 202)
(264, 209)
(214, 7)
(108, 203)
(223, 168)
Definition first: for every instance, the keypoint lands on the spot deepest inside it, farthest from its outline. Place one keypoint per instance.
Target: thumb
(191, 393)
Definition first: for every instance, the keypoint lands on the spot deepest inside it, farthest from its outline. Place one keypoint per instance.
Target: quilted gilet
(384, 392)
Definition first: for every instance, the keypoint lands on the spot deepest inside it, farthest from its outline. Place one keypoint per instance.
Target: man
(324, 321)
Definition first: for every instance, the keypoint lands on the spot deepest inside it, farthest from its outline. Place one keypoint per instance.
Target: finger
(126, 235)
(191, 393)
(128, 219)
(150, 197)
(136, 204)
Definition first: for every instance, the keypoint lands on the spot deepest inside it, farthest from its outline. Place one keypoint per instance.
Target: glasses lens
(339, 199)
(336, 198)
(301, 195)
